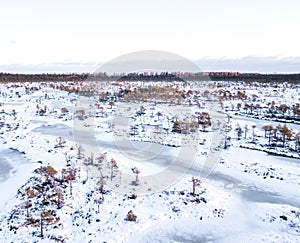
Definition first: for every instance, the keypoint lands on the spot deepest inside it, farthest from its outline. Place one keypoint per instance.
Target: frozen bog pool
(256, 195)
(8, 160)
(261, 177)
(15, 170)
(5, 169)
(57, 130)
(151, 158)
(260, 122)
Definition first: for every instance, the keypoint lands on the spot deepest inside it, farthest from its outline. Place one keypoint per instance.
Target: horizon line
(159, 73)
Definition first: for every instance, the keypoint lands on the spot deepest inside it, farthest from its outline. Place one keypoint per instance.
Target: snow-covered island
(149, 161)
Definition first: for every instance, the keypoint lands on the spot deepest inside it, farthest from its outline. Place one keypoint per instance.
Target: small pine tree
(196, 182)
(131, 216)
(113, 164)
(136, 171)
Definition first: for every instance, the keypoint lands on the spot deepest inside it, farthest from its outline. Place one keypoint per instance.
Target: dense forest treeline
(249, 77)
(8, 77)
(214, 76)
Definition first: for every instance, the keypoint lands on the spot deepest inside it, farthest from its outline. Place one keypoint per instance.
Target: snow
(250, 196)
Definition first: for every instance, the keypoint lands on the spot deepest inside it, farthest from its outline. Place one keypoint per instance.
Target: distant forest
(165, 76)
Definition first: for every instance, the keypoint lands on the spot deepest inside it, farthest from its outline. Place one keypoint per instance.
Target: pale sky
(65, 31)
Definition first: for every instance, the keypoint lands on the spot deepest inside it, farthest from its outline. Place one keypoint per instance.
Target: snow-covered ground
(249, 197)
